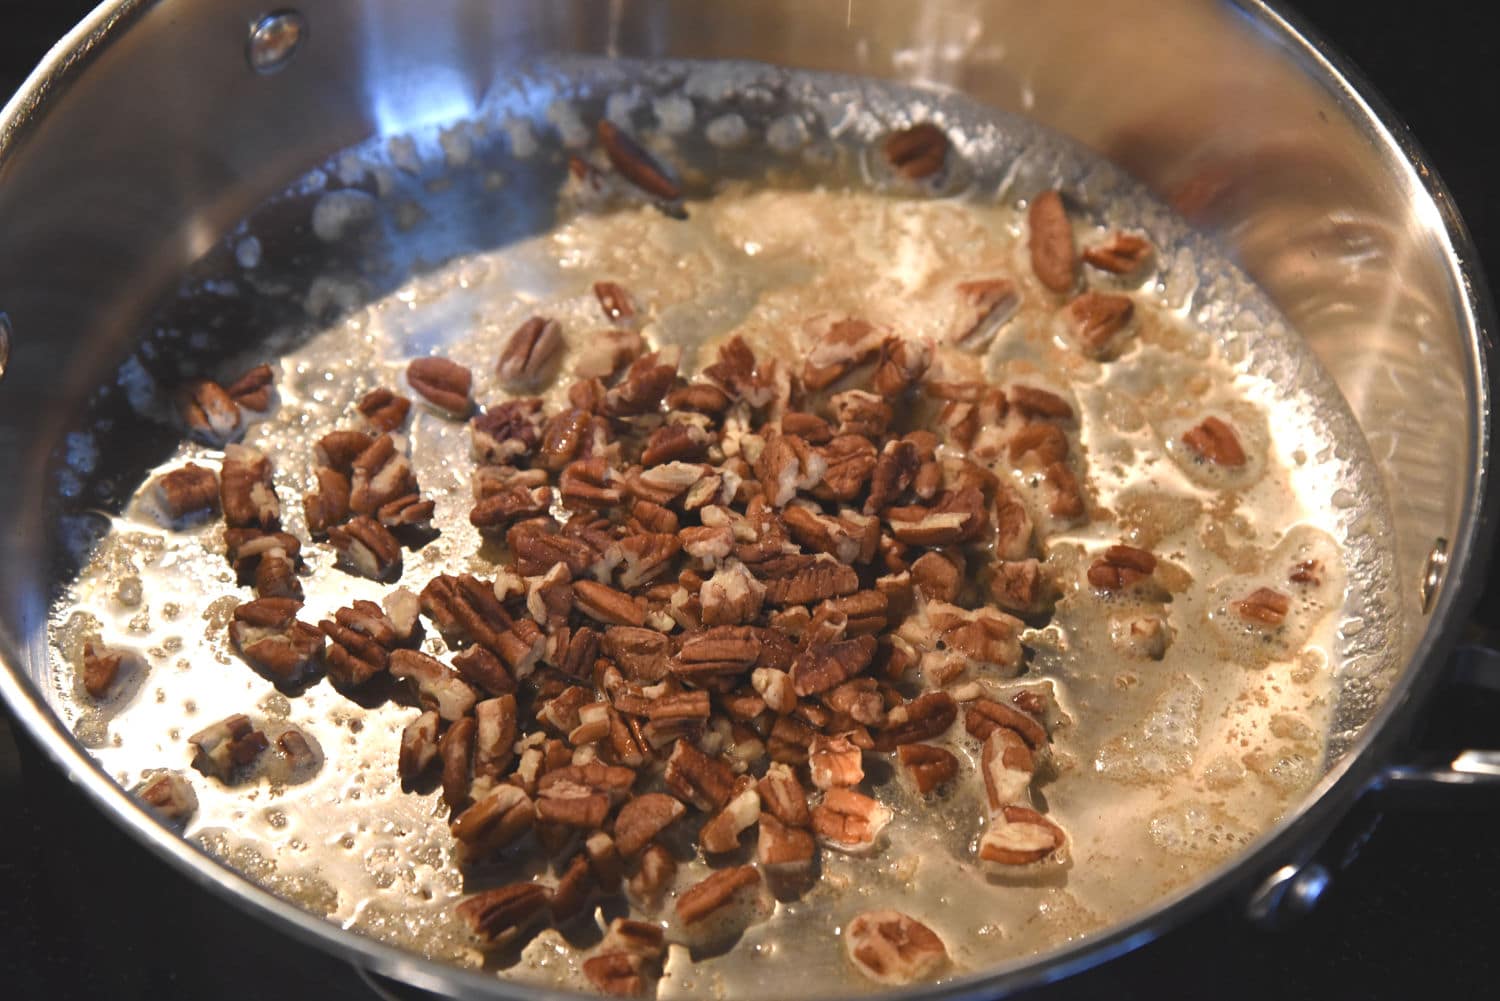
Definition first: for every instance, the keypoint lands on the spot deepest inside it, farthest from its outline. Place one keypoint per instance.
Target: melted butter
(1164, 769)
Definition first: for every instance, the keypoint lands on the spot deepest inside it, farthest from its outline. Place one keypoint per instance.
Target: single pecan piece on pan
(1054, 257)
(1214, 441)
(443, 383)
(529, 353)
(893, 948)
(916, 152)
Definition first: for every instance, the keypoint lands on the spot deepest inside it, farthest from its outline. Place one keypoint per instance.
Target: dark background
(86, 915)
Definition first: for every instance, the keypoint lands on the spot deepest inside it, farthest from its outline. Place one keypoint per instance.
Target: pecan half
(850, 461)
(636, 165)
(1214, 441)
(892, 948)
(834, 761)
(419, 746)
(615, 301)
(1263, 606)
(929, 767)
(1021, 587)
(938, 577)
(456, 749)
(496, 512)
(641, 653)
(252, 391)
(1019, 836)
(507, 433)
(1121, 567)
(500, 915)
(958, 516)
(783, 797)
(438, 687)
(529, 352)
(641, 388)
(379, 474)
(226, 745)
(603, 603)
(329, 504)
(246, 494)
(443, 383)
(850, 822)
(187, 494)
(819, 581)
(1097, 319)
(706, 783)
(916, 152)
(1119, 253)
(783, 850)
(1054, 258)
(267, 633)
(572, 805)
(923, 718)
(1034, 402)
(383, 409)
(722, 650)
(495, 727)
(366, 548)
(361, 637)
(643, 819)
(210, 413)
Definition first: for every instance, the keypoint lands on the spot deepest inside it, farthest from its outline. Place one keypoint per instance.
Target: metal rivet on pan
(274, 39)
(1288, 893)
(4, 342)
(1432, 576)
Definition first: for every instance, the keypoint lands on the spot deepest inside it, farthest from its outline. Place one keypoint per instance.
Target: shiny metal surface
(129, 153)
(274, 39)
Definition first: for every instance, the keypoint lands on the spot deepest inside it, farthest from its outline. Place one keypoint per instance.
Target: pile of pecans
(717, 597)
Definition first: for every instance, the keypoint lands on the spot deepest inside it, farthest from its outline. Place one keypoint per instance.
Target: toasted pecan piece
(893, 948)
(1054, 257)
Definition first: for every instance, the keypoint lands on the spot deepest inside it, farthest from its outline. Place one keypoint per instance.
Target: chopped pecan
(652, 518)
(1214, 441)
(101, 668)
(929, 766)
(500, 915)
(655, 873)
(1066, 496)
(860, 700)
(983, 716)
(267, 633)
(1007, 765)
(902, 363)
(789, 740)
(986, 306)
(917, 152)
(605, 352)
(497, 819)
(383, 409)
(894, 473)
(337, 450)
(1034, 402)
(783, 797)
(1144, 638)
(1121, 567)
(537, 552)
(1263, 606)
(850, 461)
(329, 504)
(1119, 253)
(269, 560)
(783, 850)
(378, 475)
(409, 515)
(226, 745)
(619, 974)
(484, 671)
(252, 391)
(610, 781)
(507, 433)
(438, 687)
(923, 718)
(1097, 319)
(665, 483)
(775, 689)
(605, 864)
(676, 443)
(646, 557)
(495, 730)
(641, 388)
(706, 783)
(572, 805)
(559, 713)
(820, 668)
(1014, 529)
(721, 834)
(641, 653)
(1054, 257)
(169, 796)
(1019, 836)
(187, 494)
(528, 353)
(456, 749)
(720, 650)
(692, 705)
(716, 894)
(643, 819)
(571, 894)
(708, 545)
(731, 596)
(419, 746)
(1309, 572)
(246, 494)
(366, 548)
(1021, 587)
(497, 511)
(603, 603)
(849, 822)
(361, 637)
(891, 948)
(957, 516)
(443, 383)
(210, 414)
(861, 413)
(834, 761)
(937, 576)
(699, 397)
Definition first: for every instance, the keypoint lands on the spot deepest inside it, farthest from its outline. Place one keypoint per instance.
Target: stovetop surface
(87, 915)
